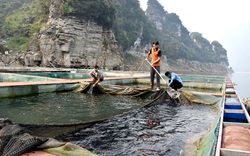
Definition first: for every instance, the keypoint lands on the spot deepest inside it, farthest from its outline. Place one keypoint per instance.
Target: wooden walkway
(63, 81)
(72, 81)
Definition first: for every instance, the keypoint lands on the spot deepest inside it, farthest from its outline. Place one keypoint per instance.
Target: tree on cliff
(102, 11)
(130, 21)
(19, 19)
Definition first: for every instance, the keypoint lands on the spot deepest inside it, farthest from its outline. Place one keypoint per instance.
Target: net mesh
(203, 78)
(207, 143)
(156, 97)
(15, 140)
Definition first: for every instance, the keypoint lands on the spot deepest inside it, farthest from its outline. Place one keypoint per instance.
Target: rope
(140, 65)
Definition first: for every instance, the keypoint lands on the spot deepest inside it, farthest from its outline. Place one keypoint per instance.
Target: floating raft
(35, 85)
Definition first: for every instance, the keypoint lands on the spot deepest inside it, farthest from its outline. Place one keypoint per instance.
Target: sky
(225, 21)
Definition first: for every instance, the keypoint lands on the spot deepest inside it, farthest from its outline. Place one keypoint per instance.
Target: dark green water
(159, 130)
(65, 107)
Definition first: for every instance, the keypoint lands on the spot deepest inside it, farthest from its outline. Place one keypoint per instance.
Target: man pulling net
(97, 78)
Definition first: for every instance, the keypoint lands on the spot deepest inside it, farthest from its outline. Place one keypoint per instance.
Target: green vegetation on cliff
(102, 11)
(132, 23)
(20, 19)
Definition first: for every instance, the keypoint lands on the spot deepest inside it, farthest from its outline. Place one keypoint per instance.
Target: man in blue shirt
(175, 81)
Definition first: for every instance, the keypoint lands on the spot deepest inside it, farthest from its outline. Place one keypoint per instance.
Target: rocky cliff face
(74, 42)
(214, 51)
(220, 52)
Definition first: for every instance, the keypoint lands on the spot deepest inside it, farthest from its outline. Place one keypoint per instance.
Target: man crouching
(175, 81)
(96, 76)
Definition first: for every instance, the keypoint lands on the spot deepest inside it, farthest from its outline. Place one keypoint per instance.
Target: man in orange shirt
(155, 62)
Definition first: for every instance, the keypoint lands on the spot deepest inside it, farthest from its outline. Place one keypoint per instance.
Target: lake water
(242, 81)
(66, 107)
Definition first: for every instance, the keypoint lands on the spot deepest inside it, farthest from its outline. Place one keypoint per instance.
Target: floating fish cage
(51, 104)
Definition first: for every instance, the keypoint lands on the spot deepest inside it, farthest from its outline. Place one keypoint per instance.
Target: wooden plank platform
(236, 111)
(32, 70)
(63, 81)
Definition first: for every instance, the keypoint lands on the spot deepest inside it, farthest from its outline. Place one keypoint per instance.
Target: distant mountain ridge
(179, 43)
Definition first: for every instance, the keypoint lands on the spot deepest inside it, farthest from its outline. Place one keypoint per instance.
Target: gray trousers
(152, 76)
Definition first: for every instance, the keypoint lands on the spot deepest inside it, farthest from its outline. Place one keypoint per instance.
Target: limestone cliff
(74, 42)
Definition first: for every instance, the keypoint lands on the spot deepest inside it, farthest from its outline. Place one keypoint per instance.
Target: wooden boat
(234, 131)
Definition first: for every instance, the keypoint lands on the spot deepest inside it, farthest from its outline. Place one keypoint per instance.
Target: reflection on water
(65, 107)
(157, 130)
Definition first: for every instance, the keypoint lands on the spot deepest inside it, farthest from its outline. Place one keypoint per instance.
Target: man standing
(175, 81)
(155, 62)
(96, 76)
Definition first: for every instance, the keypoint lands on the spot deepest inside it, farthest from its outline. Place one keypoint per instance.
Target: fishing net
(70, 149)
(155, 97)
(204, 85)
(203, 78)
(199, 98)
(207, 143)
(15, 140)
(92, 90)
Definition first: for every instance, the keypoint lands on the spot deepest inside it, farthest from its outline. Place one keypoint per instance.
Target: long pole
(156, 71)
(168, 92)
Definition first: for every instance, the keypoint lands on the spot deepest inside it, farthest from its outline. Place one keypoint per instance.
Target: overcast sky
(226, 21)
